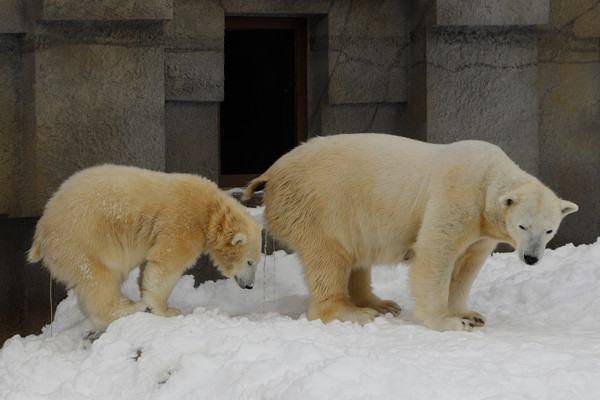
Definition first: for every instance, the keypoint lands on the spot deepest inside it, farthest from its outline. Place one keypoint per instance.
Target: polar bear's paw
(168, 312)
(344, 313)
(455, 324)
(172, 312)
(381, 306)
(386, 306)
(473, 316)
(444, 324)
(360, 315)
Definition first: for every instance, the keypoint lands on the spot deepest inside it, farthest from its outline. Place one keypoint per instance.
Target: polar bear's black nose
(530, 259)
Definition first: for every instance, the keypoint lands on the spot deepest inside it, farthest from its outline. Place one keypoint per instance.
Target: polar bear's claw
(476, 318)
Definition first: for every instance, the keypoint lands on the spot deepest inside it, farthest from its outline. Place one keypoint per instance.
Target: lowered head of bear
(532, 215)
(236, 250)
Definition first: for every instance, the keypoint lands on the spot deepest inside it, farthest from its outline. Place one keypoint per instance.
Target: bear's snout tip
(243, 283)
(530, 260)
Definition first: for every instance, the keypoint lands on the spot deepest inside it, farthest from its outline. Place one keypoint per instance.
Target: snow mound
(540, 341)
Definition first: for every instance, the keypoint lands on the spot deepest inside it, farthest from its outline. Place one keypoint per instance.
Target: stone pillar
(94, 91)
(12, 28)
(482, 84)
(368, 56)
(194, 79)
(475, 80)
(569, 113)
(10, 118)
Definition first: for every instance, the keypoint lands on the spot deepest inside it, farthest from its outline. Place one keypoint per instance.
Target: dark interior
(258, 114)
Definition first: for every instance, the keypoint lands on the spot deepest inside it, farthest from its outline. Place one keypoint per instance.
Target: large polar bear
(105, 221)
(346, 202)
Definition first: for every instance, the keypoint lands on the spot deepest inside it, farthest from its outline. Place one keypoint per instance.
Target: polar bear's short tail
(34, 255)
(255, 185)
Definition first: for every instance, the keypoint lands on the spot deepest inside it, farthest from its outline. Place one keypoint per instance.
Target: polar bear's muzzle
(530, 260)
(245, 276)
(532, 251)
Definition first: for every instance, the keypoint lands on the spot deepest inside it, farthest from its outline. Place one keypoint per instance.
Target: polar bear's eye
(522, 227)
(549, 232)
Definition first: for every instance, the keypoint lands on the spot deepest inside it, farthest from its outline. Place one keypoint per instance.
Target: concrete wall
(139, 82)
(482, 84)
(99, 97)
(82, 84)
(521, 74)
(85, 82)
(10, 117)
(368, 62)
(194, 86)
(569, 112)
(474, 74)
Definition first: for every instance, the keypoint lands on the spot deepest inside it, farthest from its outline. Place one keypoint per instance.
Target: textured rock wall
(569, 112)
(192, 139)
(482, 84)
(492, 12)
(472, 79)
(107, 10)
(98, 96)
(368, 63)
(134, 82)
(194, 85)
(12, 16)
(10, 115)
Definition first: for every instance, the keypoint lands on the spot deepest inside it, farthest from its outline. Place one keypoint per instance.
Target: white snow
(541, 341)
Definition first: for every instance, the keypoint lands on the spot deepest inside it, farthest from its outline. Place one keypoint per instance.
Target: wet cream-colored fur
(105, 221)
(347, 202)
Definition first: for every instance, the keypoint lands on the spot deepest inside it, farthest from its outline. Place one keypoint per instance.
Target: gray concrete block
(12, 16)
(194, 52)
(10, 114)
(368, 52)
(276, 7)
(110, 10)
(368, 18)
(95, 103)
(194, 76)
(196, 25)
(482, 84)
(354, 118)
(192, 138)
(492, 12)
(580, 17)
(367, 70)
(569, 112)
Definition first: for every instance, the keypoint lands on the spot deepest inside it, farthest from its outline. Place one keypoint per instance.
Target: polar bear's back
(368, 191)
(377, 166)
(112, 213)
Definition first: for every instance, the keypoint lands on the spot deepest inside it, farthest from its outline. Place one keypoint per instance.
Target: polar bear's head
(532, 215)
(234, 246)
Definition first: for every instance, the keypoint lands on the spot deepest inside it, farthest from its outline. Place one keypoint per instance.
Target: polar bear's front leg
(157, 281)
(465, 271)
(430, 280)
(100, 297)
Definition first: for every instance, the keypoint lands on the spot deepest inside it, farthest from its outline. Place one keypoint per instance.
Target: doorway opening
(263, 114)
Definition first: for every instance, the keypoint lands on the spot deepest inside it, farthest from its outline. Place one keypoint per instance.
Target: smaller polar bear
(347, 202)
(105, 221)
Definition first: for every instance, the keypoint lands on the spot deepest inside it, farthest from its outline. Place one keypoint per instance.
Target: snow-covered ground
(541, 341)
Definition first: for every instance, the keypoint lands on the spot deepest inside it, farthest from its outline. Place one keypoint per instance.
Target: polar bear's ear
(509, 199)
(567, 207)
(239, 238)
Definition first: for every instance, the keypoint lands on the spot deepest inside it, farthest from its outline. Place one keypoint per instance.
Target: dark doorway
(263, 114)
